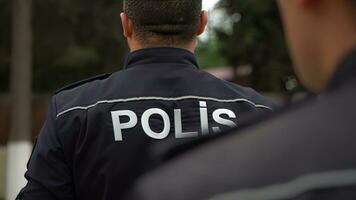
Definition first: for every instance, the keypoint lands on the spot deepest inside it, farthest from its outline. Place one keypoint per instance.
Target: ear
(203, 22)
(127, 25)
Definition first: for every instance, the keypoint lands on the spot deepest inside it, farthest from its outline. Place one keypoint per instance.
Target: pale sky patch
(209, 4)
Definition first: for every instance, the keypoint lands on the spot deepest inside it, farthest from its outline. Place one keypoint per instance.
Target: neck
(134, 45)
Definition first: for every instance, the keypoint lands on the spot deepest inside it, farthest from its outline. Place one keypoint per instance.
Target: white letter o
(146, 124)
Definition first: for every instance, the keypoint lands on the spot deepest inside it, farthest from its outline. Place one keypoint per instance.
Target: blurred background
(47, 44)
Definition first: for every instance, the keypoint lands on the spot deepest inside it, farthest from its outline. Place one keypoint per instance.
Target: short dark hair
(164, 22)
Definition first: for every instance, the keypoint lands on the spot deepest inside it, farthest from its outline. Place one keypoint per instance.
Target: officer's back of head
(163, 23)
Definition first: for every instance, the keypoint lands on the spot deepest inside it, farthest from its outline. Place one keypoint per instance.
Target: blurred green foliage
(256, 39)
(74, 40)
(208, 54)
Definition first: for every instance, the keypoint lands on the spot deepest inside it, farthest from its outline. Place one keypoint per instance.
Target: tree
(72, 40)
(4, 44)
(256, 39)
(19, 146)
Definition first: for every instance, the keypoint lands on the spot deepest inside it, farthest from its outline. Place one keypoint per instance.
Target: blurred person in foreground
(102, 133)
(306, 152)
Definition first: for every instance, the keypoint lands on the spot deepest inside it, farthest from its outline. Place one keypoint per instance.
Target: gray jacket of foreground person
(306, 153)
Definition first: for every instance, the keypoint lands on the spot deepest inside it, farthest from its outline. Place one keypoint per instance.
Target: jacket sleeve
(48, 174)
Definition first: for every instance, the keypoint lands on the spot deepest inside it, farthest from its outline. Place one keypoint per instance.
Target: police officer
(99, 133)
(306, 152)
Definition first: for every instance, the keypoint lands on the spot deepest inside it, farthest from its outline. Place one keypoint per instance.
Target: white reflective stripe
(161, 99)
(262, 106)
(295, 188)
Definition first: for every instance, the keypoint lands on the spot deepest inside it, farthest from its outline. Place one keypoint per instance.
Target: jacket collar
(159, 56)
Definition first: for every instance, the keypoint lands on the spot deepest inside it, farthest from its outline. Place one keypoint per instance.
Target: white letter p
(118, 126)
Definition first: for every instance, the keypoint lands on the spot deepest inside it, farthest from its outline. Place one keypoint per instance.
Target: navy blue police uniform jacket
(98, 135)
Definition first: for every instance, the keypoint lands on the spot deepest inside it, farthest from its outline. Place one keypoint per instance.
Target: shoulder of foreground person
(302, 153)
